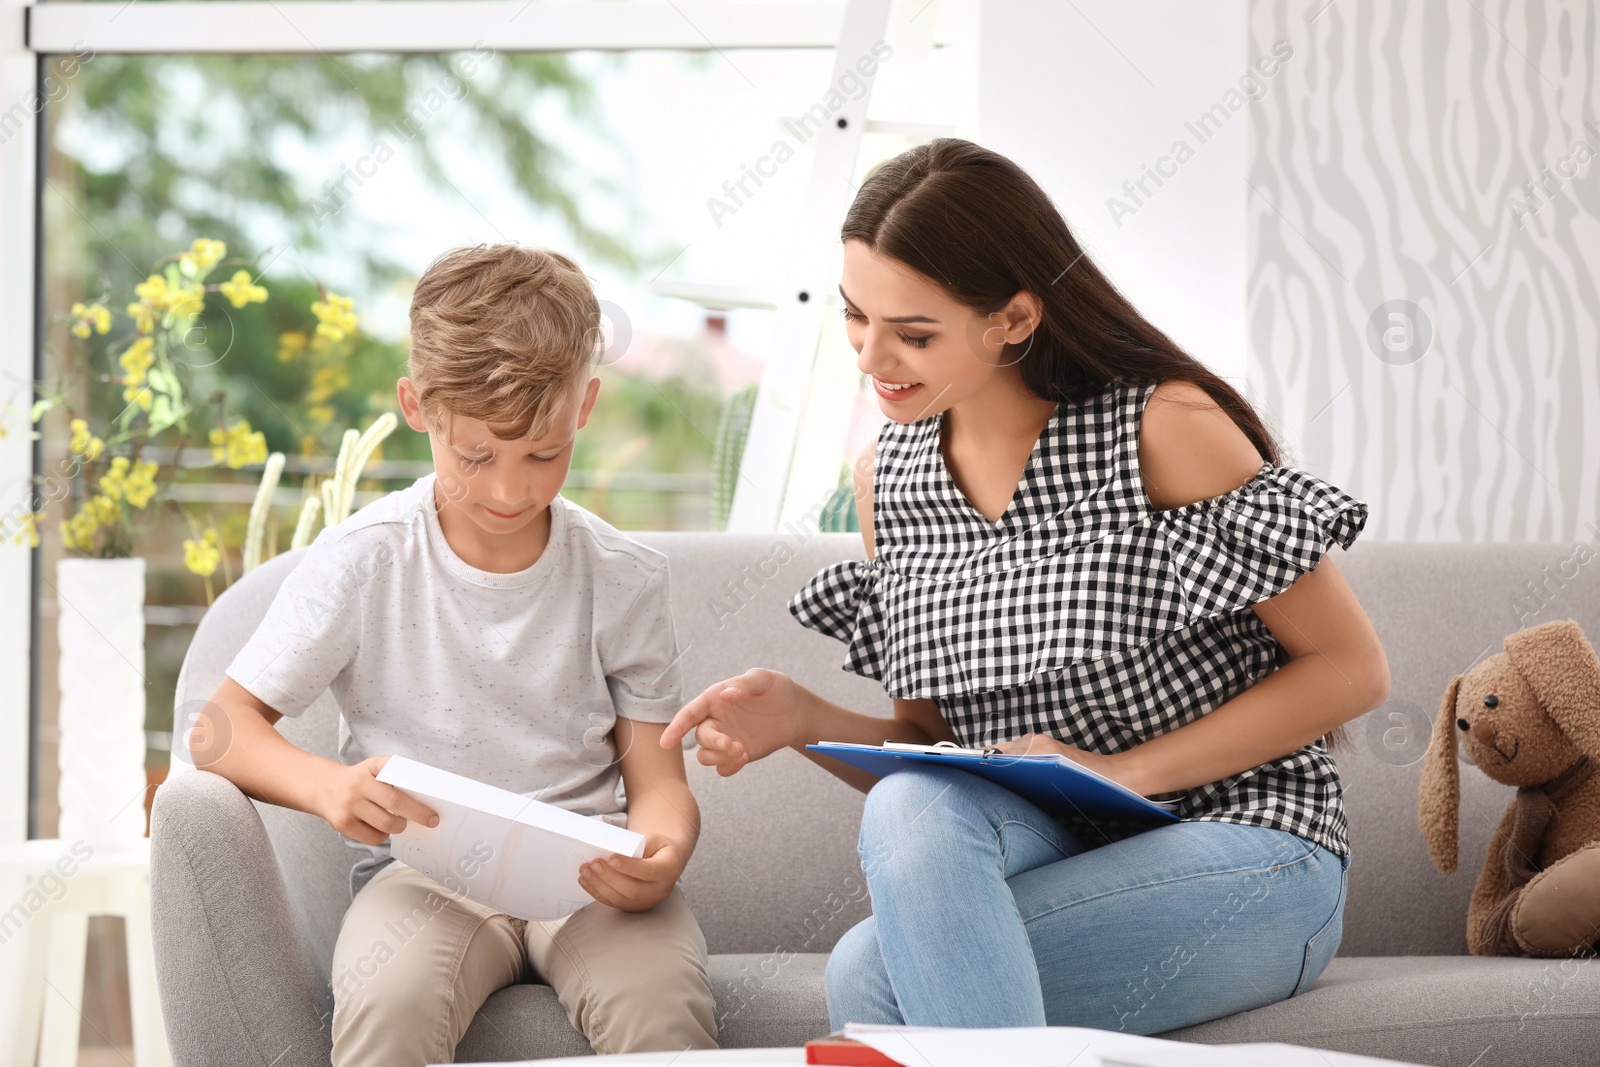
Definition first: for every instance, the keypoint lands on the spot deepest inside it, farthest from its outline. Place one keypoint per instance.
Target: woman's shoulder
(1189, 448)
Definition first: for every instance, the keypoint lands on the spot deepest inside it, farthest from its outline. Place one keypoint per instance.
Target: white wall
(1422, 300)
(1087, 95)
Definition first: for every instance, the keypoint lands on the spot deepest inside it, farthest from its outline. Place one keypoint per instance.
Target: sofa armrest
(235, 985)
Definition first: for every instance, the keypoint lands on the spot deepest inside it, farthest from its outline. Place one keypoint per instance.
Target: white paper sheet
(1073, 1046)
(514, 854)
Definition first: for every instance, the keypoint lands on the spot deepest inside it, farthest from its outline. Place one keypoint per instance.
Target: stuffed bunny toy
(1529, 717)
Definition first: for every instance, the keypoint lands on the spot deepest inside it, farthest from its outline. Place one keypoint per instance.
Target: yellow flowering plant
(111, 488)
(114, 491)
(324, 357)
(109, 485)
(203, 552)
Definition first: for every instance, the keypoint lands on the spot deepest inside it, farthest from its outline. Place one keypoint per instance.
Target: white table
(728, 1057)
(1023, 1047)
(46, 928)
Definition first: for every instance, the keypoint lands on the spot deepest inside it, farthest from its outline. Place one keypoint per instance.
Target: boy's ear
(406, 391)
(591, 391)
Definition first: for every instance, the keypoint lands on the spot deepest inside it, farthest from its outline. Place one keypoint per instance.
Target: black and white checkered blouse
(1084, 613)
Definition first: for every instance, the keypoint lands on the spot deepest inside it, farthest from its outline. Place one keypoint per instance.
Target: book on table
(1050, 780)
(509, 852)
(836, 1050)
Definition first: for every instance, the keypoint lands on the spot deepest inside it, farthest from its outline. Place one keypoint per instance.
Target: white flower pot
(102, 749)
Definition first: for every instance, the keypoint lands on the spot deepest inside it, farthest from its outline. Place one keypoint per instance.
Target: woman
(1079, 541)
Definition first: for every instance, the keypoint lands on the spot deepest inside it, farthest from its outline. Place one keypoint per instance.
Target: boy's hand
(629, 884)
(359, 806)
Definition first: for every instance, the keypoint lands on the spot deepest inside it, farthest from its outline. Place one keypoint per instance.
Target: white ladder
(794, 451)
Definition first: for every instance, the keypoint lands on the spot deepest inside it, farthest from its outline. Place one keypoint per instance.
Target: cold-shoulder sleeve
(1231, 551)
(1065, 593)
(842, 602)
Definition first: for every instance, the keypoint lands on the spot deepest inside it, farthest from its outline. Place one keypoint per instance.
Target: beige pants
(414, 962)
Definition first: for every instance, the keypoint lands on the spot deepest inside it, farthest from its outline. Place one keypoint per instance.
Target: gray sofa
(247, 898)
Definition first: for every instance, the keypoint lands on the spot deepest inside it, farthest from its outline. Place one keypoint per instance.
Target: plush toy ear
(1439, 802)
(1564, 672)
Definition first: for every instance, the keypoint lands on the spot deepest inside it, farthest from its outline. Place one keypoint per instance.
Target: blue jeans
(988, 912)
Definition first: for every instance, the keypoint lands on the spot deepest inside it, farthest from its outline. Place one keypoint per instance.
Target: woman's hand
(742, 719)
(1116, 767)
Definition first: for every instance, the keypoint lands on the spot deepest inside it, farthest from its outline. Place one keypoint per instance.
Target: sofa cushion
(1453, 1011)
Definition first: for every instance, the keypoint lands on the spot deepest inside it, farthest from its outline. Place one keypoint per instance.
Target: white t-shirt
(513, 679)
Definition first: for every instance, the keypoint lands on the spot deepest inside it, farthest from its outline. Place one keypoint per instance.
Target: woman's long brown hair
(976, 223)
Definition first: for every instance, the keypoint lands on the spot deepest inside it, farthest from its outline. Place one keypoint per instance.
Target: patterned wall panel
(1424, 210)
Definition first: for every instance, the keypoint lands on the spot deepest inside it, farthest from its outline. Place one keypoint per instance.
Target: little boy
(480, 622)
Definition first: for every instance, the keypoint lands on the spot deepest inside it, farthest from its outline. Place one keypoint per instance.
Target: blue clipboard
(1049, 781)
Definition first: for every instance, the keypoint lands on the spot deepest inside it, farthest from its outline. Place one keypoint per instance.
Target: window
(344, 165)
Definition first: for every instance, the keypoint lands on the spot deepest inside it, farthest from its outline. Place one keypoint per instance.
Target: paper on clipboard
(950, 748)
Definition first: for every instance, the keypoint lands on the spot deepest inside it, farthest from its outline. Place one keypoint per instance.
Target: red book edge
(835, 1050)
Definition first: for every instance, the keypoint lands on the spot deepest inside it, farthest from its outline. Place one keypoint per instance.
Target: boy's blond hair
(503, 334)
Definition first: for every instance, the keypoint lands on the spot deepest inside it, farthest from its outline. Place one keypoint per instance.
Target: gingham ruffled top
(1084, 613)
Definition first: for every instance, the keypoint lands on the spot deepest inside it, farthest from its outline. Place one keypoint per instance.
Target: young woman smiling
(1079, 540)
